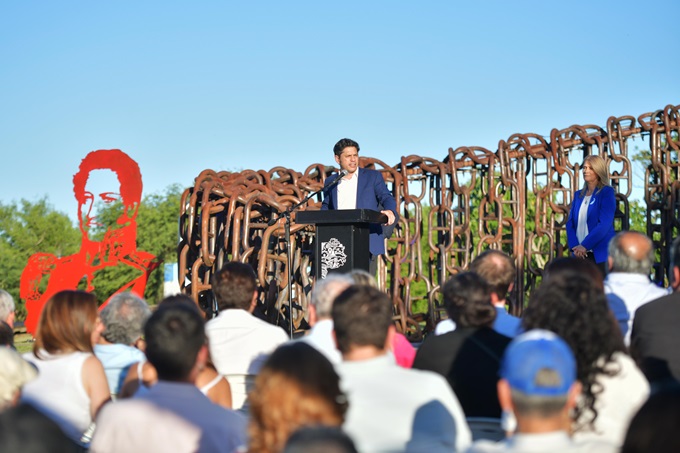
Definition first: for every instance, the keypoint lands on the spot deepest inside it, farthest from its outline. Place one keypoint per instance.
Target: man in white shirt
(631, 257)
(390, 408)
(537, 390)
(239, 341)
(320, 336)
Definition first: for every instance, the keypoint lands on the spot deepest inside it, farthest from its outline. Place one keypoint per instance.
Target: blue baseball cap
(533, 351)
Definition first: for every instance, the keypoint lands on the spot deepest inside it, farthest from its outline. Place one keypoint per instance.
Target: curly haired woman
(572, 305)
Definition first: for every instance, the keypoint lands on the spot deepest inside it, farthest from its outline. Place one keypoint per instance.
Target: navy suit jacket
(372, 193)
(600, 222)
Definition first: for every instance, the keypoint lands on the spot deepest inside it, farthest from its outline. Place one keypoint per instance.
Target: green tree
(27, 228)
(157, 233)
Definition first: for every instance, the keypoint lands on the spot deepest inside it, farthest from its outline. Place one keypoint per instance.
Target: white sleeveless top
(58, 390)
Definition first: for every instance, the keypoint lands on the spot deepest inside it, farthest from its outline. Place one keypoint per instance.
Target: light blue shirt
(117, 359)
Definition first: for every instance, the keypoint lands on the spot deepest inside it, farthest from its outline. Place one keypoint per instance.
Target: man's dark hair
(467, 299)
(174, 335)
(497, 269)
(234, 285)
(361, 317)
(344, 143)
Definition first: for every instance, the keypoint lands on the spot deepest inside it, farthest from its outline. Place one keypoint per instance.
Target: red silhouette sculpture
(118, 247)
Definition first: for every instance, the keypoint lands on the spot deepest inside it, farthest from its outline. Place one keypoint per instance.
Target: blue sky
(185, 86)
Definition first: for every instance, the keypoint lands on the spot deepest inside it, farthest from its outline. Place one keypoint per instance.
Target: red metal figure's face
(103, 189)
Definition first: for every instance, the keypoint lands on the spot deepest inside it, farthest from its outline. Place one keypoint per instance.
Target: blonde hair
(296, 387)
(66, 323)
(599, 166)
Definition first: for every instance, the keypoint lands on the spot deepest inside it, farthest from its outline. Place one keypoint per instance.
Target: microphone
(337, 180)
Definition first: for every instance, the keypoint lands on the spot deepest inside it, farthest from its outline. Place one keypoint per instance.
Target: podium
(342, 238)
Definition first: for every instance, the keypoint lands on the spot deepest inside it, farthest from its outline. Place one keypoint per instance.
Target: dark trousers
(602, 267)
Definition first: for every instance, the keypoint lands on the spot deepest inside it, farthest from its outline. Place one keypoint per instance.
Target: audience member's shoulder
(661, 302)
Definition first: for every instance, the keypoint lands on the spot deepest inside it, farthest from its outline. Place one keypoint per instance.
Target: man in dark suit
(360, 189)
(656, 336)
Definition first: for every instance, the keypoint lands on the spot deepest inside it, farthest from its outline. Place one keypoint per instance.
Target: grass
(23, 342)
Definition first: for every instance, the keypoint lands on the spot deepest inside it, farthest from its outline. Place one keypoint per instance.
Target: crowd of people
(592, 364)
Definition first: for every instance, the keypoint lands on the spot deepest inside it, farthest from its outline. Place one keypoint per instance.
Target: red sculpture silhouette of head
(129, 187)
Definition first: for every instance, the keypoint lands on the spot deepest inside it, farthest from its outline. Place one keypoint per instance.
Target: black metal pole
(289, 271)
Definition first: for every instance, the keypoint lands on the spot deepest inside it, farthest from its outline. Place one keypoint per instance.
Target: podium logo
(332, 256)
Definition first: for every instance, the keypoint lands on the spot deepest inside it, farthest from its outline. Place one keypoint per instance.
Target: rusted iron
(515, 198)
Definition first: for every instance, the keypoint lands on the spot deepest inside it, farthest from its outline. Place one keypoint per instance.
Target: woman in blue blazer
(590, 225)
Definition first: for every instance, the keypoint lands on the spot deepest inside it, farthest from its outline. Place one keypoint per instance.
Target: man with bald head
(628, 287)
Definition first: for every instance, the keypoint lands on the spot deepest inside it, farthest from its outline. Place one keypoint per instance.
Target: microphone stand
(286, 214)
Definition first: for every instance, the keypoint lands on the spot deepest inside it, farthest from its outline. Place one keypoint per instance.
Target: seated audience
(655, 426)
(390, 408)
(497, 269)
(239, 342)
(655, 336)
(627, 285)
(403, 350)
(71, 385)
(212, 384)
(173, 415)
(319, 439)
(468, 357)
(123, 318)
(14, 373)
(538, 390)
(296, 387)
(571, 305)
(320, 336)
(7, 308)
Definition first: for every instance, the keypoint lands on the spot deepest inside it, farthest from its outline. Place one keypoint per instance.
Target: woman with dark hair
(617, 309)
(590, 225)
(574, 307)
(468, 357)
(71, 386)
(296, 387)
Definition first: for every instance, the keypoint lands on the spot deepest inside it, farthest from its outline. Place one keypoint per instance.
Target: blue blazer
(372, 193)
(600, 222)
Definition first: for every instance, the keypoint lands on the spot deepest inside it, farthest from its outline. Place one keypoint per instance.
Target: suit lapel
(361, 186)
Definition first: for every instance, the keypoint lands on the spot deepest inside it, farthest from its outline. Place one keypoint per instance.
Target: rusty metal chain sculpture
(515, 198)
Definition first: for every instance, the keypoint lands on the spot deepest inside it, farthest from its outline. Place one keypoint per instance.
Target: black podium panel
(342, 238)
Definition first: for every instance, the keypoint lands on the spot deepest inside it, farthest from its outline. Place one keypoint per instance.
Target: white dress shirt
(239, 345)
(347, 192)
(634, 290)
(398, 409)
